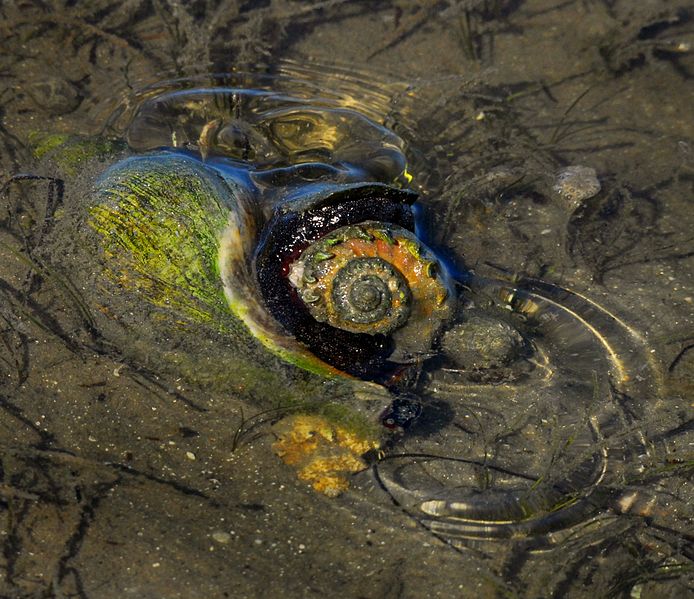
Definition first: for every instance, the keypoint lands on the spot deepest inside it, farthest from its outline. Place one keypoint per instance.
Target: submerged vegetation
(122, 422)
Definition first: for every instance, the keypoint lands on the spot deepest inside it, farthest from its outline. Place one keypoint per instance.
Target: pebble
(221, 537)
(481, 343)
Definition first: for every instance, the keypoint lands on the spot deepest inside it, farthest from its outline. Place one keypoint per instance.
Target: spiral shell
(342, 270)
(373, 278)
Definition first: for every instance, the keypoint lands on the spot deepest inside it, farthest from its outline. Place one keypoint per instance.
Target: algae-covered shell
(199, 239)
(183, 236)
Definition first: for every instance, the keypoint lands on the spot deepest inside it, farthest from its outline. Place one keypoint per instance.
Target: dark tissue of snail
(324, 180)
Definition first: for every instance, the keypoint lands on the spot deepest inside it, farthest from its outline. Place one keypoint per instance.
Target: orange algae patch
(323, 453)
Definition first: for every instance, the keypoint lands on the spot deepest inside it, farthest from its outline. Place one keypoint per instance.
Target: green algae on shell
(183, 236)
(70, 152)
(160, 222)
(179, 237)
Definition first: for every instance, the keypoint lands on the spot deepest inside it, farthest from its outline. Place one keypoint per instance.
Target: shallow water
(136, 448)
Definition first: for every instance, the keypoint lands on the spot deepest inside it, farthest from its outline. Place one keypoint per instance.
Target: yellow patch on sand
(323, 453)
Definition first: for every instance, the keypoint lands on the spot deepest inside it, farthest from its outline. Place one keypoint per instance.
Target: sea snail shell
(330, 276)
(342, 270)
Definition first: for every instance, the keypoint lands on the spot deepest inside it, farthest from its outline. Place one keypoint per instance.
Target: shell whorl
(367, 295)
(368, 278)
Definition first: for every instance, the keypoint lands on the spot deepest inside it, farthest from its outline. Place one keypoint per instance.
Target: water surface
(130, 465)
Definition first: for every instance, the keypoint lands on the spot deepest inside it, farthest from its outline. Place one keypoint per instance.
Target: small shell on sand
(575, 184)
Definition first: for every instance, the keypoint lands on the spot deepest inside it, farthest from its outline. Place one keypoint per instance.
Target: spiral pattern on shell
(369, 293)
(368, 278)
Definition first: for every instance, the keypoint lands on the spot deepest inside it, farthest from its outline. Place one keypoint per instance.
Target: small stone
(482, 343)
(190, 455)
(221, 537)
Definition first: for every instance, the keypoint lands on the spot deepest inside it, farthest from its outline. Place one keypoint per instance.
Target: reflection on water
(527, 455)
(268, 128)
